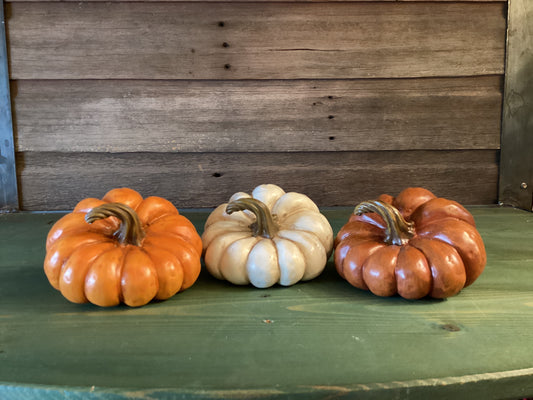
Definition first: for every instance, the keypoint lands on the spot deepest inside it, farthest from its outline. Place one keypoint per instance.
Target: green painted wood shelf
(321, 339)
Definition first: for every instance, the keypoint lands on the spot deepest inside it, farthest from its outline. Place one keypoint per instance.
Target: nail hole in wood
(227, 66)
(217, 174)
(450, 327)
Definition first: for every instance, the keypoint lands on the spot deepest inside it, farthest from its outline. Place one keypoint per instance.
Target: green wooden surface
(320, 339)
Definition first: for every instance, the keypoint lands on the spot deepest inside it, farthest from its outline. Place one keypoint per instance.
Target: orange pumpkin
(414, 245)
(122, 249)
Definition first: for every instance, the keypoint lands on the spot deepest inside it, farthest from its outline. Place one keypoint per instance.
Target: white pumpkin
(266, 238)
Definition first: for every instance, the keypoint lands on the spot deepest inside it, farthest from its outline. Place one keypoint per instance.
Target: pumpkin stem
(398, 230)
(264, 224)
(130, 230)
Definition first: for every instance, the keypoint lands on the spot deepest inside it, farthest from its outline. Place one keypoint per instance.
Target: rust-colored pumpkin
(414, 245)
(122, 249)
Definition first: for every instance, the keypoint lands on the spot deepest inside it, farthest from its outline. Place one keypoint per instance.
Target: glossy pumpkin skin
(267, 237)
(438, 255)
(88, 262)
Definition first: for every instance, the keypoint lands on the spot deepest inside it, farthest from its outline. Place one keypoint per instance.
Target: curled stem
(130, 230)
(264, 224)
(398, 231)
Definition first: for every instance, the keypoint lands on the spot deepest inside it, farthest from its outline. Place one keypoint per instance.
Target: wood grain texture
(8, 177)
(516, 168)
(268, 1)
(324, 339)
(124, 40)
(57, 181)
(258, 116)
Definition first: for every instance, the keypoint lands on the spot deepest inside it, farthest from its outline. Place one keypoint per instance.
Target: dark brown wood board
(270, 1)
(340, 100)
(57, 181)
(125, 40)
(258, 116)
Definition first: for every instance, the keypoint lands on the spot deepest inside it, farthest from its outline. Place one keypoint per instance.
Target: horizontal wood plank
(263, 1)
(57, 181)
(255, 116)
(123, 40)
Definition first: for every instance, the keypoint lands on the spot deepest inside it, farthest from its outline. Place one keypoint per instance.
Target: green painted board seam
(371, 390)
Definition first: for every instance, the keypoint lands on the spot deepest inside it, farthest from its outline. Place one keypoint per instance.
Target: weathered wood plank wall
(196, 100)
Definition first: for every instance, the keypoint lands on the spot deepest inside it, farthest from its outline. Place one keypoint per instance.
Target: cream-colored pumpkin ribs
(267, 237)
